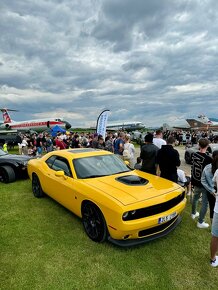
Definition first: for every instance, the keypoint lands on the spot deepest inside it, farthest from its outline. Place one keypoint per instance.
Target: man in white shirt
(158, 140)
(24, 145)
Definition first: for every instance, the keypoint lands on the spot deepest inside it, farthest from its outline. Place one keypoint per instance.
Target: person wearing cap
(148, 155)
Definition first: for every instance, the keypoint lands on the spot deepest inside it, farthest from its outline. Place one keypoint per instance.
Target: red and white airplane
(38, 125)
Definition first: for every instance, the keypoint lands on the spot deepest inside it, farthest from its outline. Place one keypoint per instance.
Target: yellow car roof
(79, 152)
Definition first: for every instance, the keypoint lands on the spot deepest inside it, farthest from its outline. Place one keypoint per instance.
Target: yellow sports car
(125, 206)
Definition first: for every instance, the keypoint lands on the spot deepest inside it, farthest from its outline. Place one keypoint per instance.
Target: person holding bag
(129, 151)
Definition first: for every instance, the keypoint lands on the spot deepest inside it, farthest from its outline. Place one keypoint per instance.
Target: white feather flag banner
(102, 123)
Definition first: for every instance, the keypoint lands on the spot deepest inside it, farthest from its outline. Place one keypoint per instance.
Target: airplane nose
(67, 126)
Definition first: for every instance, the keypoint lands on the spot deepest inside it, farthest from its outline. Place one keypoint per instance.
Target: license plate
(166, 218)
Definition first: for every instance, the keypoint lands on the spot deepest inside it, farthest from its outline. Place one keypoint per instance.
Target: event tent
(56, 129)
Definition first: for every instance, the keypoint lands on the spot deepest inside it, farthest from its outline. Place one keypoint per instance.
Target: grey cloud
(144, 60)
(119, 19)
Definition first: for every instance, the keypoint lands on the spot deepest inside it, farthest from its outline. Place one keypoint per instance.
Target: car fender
(108, 206)
(12, 163)
(112, 217)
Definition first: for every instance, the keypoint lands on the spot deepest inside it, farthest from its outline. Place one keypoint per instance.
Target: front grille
(155, 209)
(157, 229)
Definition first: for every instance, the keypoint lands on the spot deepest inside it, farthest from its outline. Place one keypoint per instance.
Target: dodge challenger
(125, 206)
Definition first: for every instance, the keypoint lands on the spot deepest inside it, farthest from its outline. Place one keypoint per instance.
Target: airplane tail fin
(6, 116)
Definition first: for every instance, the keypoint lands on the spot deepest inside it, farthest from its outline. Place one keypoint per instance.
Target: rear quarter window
(50, 161)
(59, 163)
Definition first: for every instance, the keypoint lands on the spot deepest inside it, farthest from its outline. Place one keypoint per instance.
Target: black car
(12, 167)
(189, 151)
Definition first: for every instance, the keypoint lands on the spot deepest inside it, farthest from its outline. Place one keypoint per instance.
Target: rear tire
(94, 222)
(7, 174)
(36, 187)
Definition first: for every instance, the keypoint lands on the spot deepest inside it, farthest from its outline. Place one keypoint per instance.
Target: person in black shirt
(148, 155)
(75, 142)
(40, 141)
(199, 160)
(168, 160)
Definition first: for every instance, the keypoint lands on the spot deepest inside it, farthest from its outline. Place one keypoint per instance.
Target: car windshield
(214, 147)
(2, 153)
(97, 166)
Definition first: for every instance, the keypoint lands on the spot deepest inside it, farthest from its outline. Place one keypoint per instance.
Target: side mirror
(59, 173)
(126, 162)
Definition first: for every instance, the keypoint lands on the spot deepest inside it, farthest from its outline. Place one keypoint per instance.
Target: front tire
(94, 222)
(36, 187)
(7, 174)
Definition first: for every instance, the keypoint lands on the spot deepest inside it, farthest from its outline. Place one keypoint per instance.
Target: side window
(61, 163)
(50, 161)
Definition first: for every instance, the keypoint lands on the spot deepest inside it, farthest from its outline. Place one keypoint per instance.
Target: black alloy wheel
(36, 187)
(94, 222)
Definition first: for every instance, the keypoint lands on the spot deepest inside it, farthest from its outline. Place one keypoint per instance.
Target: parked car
(191, 150)
(10, 136)
(125, 206)
(12, 167)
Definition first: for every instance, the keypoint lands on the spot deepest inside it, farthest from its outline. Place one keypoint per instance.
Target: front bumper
(160, 232)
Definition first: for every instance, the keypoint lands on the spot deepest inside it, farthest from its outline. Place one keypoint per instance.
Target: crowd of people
(158, 156)
(36, 145)
(182, 137)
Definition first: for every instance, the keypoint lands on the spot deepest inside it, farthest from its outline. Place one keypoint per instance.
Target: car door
(59, 186)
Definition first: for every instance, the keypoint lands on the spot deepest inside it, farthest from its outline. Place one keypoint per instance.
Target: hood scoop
(132, 180)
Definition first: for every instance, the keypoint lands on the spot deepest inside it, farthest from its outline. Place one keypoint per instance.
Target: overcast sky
(146, 60)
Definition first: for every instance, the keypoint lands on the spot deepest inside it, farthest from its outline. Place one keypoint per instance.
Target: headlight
(24, 163)
(127, 214)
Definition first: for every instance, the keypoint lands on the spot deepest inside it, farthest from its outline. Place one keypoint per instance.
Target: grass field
(43, 246)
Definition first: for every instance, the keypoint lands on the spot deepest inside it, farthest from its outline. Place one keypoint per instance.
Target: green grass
(14, 150)
(43, 246)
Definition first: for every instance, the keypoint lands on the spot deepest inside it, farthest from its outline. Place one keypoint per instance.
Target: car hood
(14, 157)
(132, 193)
